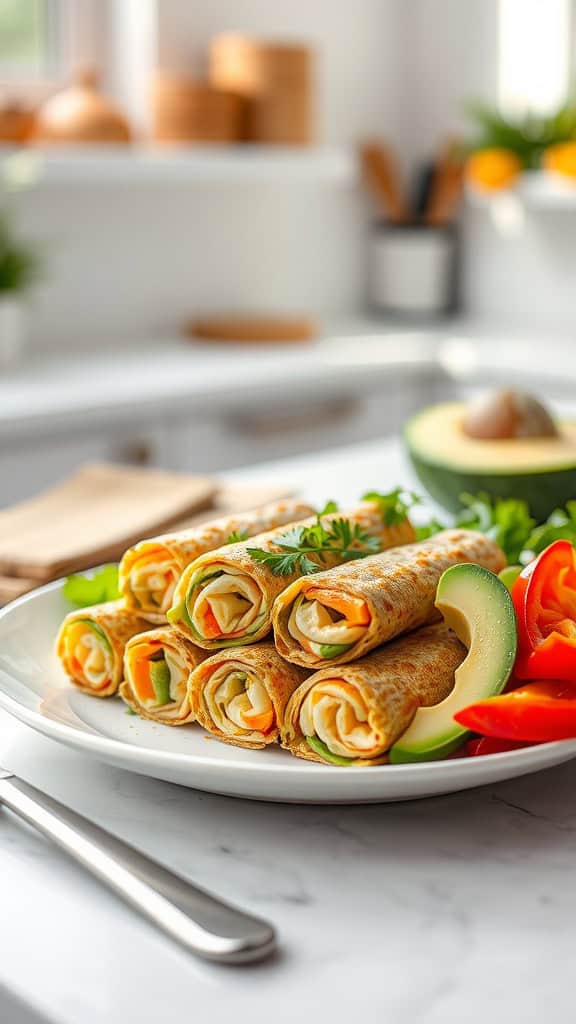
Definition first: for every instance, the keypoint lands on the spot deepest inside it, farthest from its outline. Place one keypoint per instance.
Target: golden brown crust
(238, 558)
(119, 624)
(278, 677)
(186, 545)
(188, 653)
(416, 670)
(398, 585)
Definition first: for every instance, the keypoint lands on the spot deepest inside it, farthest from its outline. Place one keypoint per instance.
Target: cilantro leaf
(305, 549)
(330, 506)
(560, 525)
(237, 536)
(506, 521)
(83, 589)
(394, 507)
(429, 529)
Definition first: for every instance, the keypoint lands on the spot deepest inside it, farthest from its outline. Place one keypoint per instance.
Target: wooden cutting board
(92, 515)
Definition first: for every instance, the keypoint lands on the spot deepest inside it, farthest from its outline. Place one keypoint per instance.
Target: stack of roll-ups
(280, 626)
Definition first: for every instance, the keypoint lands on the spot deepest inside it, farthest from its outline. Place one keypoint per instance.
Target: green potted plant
(505, 147)
(19, 268)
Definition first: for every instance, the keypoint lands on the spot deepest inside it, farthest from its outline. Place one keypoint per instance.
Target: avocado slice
(321, 749)
(328, 651)
(160, 679)
(540, 471)
(478, 607)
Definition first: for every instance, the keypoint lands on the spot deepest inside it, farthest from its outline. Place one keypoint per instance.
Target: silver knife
(200, 922)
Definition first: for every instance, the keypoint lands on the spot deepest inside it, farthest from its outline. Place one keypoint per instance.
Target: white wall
(360, 48)
(135, 262)
(526, 277)
(452, 59)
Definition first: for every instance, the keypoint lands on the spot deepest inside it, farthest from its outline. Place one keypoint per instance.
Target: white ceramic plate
(35, 690)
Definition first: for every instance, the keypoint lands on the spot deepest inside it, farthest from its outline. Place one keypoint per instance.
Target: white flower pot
(12, 330)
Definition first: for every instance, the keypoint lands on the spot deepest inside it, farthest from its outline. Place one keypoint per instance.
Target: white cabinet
(239, 432)
(29, 465)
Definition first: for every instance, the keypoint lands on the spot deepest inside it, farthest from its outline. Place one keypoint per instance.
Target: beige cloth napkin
(93, 515)
(227, 498)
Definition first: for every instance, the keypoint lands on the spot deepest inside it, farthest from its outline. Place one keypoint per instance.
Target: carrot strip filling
(237, 701)
(334, 711)
(88, 657)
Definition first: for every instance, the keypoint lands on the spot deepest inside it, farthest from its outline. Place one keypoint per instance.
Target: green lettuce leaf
(83, 589)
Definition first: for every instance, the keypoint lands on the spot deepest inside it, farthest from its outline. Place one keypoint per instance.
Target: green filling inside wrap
(322, 750)
(98, 631)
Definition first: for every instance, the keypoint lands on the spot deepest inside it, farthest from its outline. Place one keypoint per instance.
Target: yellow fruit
(493, 169)
(561, 158)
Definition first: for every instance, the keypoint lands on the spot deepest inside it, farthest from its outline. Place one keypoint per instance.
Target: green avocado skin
(543, 491)
(474, 590)
(400, 755)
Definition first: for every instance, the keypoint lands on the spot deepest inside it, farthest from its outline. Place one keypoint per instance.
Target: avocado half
(478, 607)
(448, 463)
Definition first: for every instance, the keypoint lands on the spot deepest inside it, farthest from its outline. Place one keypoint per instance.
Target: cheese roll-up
(91, 645)
(225, 598)
(157, 670)
(340, 615)
(352, 715)
(150, 569)
(240, 695)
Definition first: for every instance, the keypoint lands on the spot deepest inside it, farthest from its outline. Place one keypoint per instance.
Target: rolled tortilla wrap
(150, 570)
(157, 670)
(353, 715)
(225, 598)
(340, 615)
(91, 645)
(240, 695)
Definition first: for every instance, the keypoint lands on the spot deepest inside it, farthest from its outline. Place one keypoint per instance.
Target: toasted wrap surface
(240, 694)
(91, 645)
(150, 569)
(338, 616)
(225, 597)
(358, 711)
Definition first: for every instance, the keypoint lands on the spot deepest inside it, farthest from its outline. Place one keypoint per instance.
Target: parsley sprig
(508, 522)
(304, 549)
(394, 506)
(236, 537)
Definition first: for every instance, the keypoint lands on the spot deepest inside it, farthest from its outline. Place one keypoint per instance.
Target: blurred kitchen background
(240, 230)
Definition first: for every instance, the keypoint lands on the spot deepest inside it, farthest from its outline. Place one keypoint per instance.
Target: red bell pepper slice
(536, 713)
(490, 745)
(544, 598)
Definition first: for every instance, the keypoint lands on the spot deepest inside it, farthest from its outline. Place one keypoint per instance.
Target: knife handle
(200, 922)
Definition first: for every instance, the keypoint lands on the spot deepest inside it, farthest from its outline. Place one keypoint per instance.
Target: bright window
(535, 54)
(42, 42)
(28, 38)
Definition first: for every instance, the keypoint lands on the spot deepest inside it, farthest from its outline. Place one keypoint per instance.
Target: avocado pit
(505, 414)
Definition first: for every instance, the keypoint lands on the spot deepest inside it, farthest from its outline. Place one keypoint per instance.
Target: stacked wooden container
(275, 81)
(257, 91)
(184, 110)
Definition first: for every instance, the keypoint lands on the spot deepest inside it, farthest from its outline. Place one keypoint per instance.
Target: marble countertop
(460, 908)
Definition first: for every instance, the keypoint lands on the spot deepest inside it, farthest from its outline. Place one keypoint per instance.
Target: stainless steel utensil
(200, 922)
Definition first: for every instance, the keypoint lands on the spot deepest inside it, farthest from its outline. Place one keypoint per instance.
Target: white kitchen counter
(68, 391)
(445, 910)
(65, 391)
